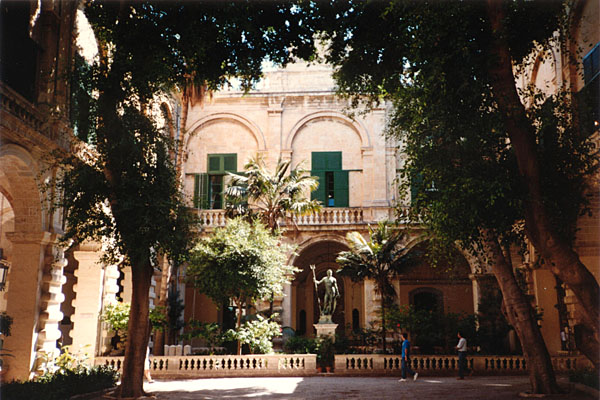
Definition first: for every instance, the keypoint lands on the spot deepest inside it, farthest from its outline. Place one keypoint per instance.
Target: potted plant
(325, 353)
(5, 324)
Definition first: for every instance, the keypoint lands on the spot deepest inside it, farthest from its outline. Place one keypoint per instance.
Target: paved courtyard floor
(332, 387)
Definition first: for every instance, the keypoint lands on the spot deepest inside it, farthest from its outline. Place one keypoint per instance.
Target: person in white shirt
(462, 356)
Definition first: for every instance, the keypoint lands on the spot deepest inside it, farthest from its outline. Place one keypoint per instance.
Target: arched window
(428, 299)
(355, 321)
(301, 323)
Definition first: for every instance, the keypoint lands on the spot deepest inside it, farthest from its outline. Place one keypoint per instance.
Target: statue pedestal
(325, 330)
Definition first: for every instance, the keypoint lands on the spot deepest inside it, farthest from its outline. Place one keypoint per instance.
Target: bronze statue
(331, 294)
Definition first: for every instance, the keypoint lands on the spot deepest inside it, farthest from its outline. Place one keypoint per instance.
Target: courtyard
(335, 387)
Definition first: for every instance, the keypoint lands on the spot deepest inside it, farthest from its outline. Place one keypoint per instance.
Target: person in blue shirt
(406, 359)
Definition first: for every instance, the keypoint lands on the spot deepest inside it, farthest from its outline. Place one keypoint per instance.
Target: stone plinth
(325, 330)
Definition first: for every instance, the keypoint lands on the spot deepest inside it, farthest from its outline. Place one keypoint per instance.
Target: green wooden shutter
(326, 160)
(230, 162)
(196, 190)
(340, 188)
(214, 163)
(416, 184)
(333, 161)
(221, 163)
(319, 193)
(201, 191)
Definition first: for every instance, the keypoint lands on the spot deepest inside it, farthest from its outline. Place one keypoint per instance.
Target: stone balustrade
(327, 216)
(344, 364)
(332, 216)
(225, 365)
(379, 364)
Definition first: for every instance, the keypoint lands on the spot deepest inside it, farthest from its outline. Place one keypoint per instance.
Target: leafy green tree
(257, 333)
(242, 262)
(380, 258)
(468, 135)
(210, 332)
(125, 188)
(271, 196)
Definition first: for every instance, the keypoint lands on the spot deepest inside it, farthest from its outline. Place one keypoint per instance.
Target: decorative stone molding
(52, 297)
(251, 126)
(223, 366)
(357, 126)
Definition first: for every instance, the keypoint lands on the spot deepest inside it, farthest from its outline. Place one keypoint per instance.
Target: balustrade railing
(225, 365)
(327, 216)
(332, 216)
(344, 364)
(377, 364)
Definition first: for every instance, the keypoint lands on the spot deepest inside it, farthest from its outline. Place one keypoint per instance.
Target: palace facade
(56, 296)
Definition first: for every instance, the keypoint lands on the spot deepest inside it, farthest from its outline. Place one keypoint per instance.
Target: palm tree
(379, 259)
(273, 197)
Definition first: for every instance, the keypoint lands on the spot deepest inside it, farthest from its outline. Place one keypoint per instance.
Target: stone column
(87, 304)
(286, 312)
(371, 302)
(53, 280)
(127, 285)
(275, 136)
(546, 298)
(111, 288)
(23, 300)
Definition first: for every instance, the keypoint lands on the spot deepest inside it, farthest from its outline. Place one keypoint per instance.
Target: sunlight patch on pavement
(497, 384)
(430, 381)
(283, 386)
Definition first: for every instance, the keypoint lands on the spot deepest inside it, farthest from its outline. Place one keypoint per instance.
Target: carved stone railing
(344, 364)
(327, 216)
(21, 116)
(332, 216)
(211, 218)
(379, 364)
(228, 365)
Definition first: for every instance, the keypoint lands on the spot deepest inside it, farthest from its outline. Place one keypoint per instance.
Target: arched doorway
(305, 307)
(442, 287)
(427, 299)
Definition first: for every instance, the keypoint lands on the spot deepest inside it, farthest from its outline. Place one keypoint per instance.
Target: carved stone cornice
(41, 237)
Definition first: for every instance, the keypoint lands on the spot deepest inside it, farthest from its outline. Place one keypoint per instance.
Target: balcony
(339, 218)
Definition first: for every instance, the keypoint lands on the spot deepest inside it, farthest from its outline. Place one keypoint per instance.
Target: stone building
(295, 115)
(36, 55)
(56, 295)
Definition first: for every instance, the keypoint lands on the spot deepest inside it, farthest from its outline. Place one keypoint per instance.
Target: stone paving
(332, 387)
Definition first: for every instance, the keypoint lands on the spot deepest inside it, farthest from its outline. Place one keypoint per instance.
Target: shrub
(257, 334)
(325, 352)
(300, 345)
(61, 385)
(586, 376)
(210, 332)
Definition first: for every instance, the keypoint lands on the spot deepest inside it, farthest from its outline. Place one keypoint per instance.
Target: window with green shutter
(333, 181)
(416, 185)
(201, 191)
(219, 164)
(209, 188)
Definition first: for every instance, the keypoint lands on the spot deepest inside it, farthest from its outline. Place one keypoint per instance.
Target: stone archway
(446, 286)
(305, 309)
(34, 291)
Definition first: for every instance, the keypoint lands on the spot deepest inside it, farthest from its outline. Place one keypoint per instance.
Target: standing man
(462, 356)
(406, 358)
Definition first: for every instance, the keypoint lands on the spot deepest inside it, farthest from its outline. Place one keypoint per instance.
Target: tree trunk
(564, 261)
(383, 331)
(165, 280)
(520, 315)
(238, 325)
(138, 332)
